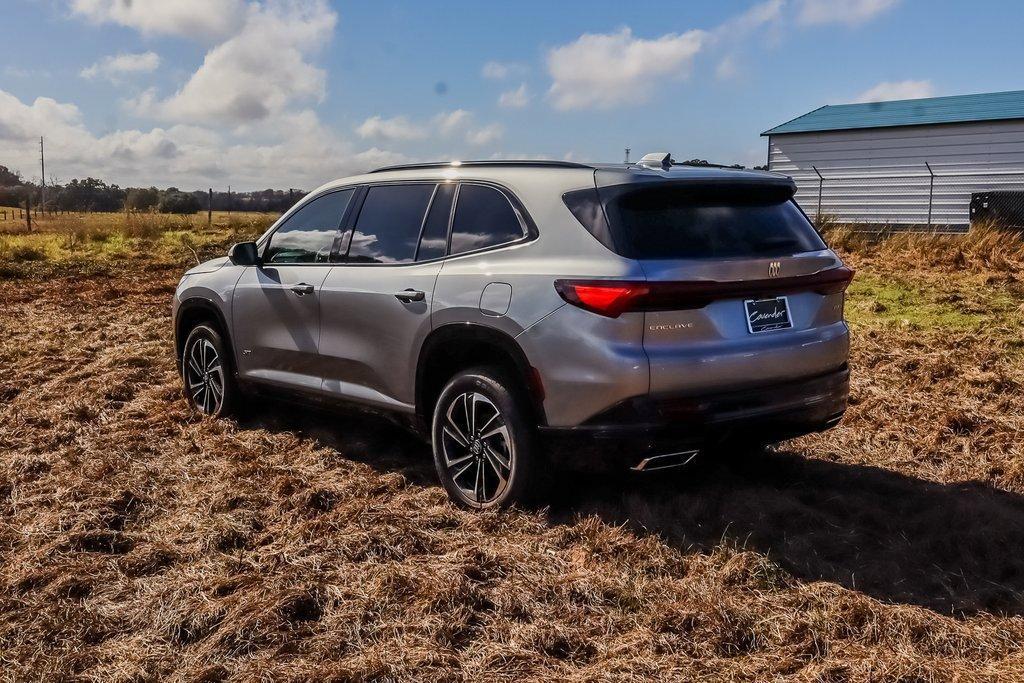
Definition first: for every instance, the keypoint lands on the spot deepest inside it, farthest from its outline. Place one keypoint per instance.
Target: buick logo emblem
(773, 269)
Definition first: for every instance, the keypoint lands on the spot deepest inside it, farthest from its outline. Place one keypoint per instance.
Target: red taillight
(614, 297)
(609, 298)
(834, 281)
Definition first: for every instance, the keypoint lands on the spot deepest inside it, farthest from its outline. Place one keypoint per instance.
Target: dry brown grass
(140, 543)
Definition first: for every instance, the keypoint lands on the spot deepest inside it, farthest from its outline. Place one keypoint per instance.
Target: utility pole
(42, 173)
(209, 210)
(627, 155)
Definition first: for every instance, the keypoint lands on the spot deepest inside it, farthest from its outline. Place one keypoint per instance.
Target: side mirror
(244, 254)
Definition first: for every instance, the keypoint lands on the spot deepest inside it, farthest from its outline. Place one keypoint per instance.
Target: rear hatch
(740, 289)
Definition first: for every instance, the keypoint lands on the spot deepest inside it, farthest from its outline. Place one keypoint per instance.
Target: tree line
(91, 194)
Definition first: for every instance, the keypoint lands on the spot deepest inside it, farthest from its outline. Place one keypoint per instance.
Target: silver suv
(517, 311)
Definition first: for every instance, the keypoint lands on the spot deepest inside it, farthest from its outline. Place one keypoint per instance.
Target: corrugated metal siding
(879, 175)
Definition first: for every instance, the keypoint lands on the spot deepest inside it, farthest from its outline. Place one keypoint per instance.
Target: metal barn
(934, 162)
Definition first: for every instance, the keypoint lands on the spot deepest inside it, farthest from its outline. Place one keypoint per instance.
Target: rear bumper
(762, 413)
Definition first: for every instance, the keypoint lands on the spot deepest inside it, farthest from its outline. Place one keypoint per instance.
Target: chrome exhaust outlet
(665, 461)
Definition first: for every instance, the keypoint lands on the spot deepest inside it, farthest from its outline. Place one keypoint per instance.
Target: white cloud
(753, 19)
(11, 71)
(727, 68)
(304, 153)
(485, 135)
(603, 70)
(610, 69)
(458, 123)
(185, 18)
(515, 99)
(462, 122)
(734, 35)
(396, 128)
(849, 12)
(897, 90)
(113, 68)
(256, 73)
(449, 122)
(498, 71)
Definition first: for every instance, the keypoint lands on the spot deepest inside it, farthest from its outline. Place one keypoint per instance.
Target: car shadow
(952, 548)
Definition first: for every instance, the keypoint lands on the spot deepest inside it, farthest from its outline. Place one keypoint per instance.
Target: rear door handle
(302, 289)
(410, 295)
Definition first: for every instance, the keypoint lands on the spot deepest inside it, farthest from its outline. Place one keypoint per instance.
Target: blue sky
(286, 93)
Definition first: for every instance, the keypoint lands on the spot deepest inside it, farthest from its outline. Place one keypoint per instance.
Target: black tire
(499, 447)
(209, 390)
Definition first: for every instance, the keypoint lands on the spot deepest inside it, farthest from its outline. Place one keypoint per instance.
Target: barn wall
(879, 175)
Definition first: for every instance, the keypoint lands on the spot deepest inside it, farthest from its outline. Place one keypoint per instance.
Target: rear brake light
(834, 281)
(614, 297)
(610, 298)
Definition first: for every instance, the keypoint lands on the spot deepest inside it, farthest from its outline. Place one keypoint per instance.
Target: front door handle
(302, 289)
(410, 295)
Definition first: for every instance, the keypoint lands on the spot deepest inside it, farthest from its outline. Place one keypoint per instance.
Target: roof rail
(491, 162)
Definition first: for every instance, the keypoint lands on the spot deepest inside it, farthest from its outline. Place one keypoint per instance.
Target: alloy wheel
(204, 376)
(478, 451)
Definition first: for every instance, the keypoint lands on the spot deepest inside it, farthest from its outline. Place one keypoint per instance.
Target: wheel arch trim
(206, 305)
(478, 333)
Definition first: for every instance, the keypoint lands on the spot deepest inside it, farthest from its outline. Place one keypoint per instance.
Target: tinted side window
(434, 241)
(308, 235)
(483, 218)
(388, 227)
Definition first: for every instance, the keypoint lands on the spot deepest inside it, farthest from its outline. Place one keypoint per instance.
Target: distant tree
(12, 188)
(9, 178)
(178, 202)
(89, 195)
(142, 199)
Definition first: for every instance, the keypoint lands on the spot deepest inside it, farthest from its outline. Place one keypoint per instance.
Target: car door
(376, 302)
(276, 305)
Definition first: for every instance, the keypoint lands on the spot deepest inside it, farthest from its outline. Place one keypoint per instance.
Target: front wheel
(209, 384)
(484, 446)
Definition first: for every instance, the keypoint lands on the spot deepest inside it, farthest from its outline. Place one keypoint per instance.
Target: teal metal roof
(998, 106)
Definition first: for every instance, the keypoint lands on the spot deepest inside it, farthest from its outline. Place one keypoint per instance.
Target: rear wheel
(209, 384)
(485, 452)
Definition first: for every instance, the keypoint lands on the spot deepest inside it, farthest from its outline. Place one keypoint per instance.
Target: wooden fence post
(28, 213)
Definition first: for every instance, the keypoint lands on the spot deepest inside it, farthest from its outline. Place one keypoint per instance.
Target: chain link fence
(928, 198)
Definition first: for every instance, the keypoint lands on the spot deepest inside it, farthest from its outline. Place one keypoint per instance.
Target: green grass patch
(30, 248)
(882, 301)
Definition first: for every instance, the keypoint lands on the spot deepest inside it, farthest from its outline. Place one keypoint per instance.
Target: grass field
(138, 542)
(99, 241)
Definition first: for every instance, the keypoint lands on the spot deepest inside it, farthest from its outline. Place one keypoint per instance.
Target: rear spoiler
(696, 178)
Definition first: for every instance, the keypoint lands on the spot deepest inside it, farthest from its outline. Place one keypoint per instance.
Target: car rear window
(669, 221)
(483, 218)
